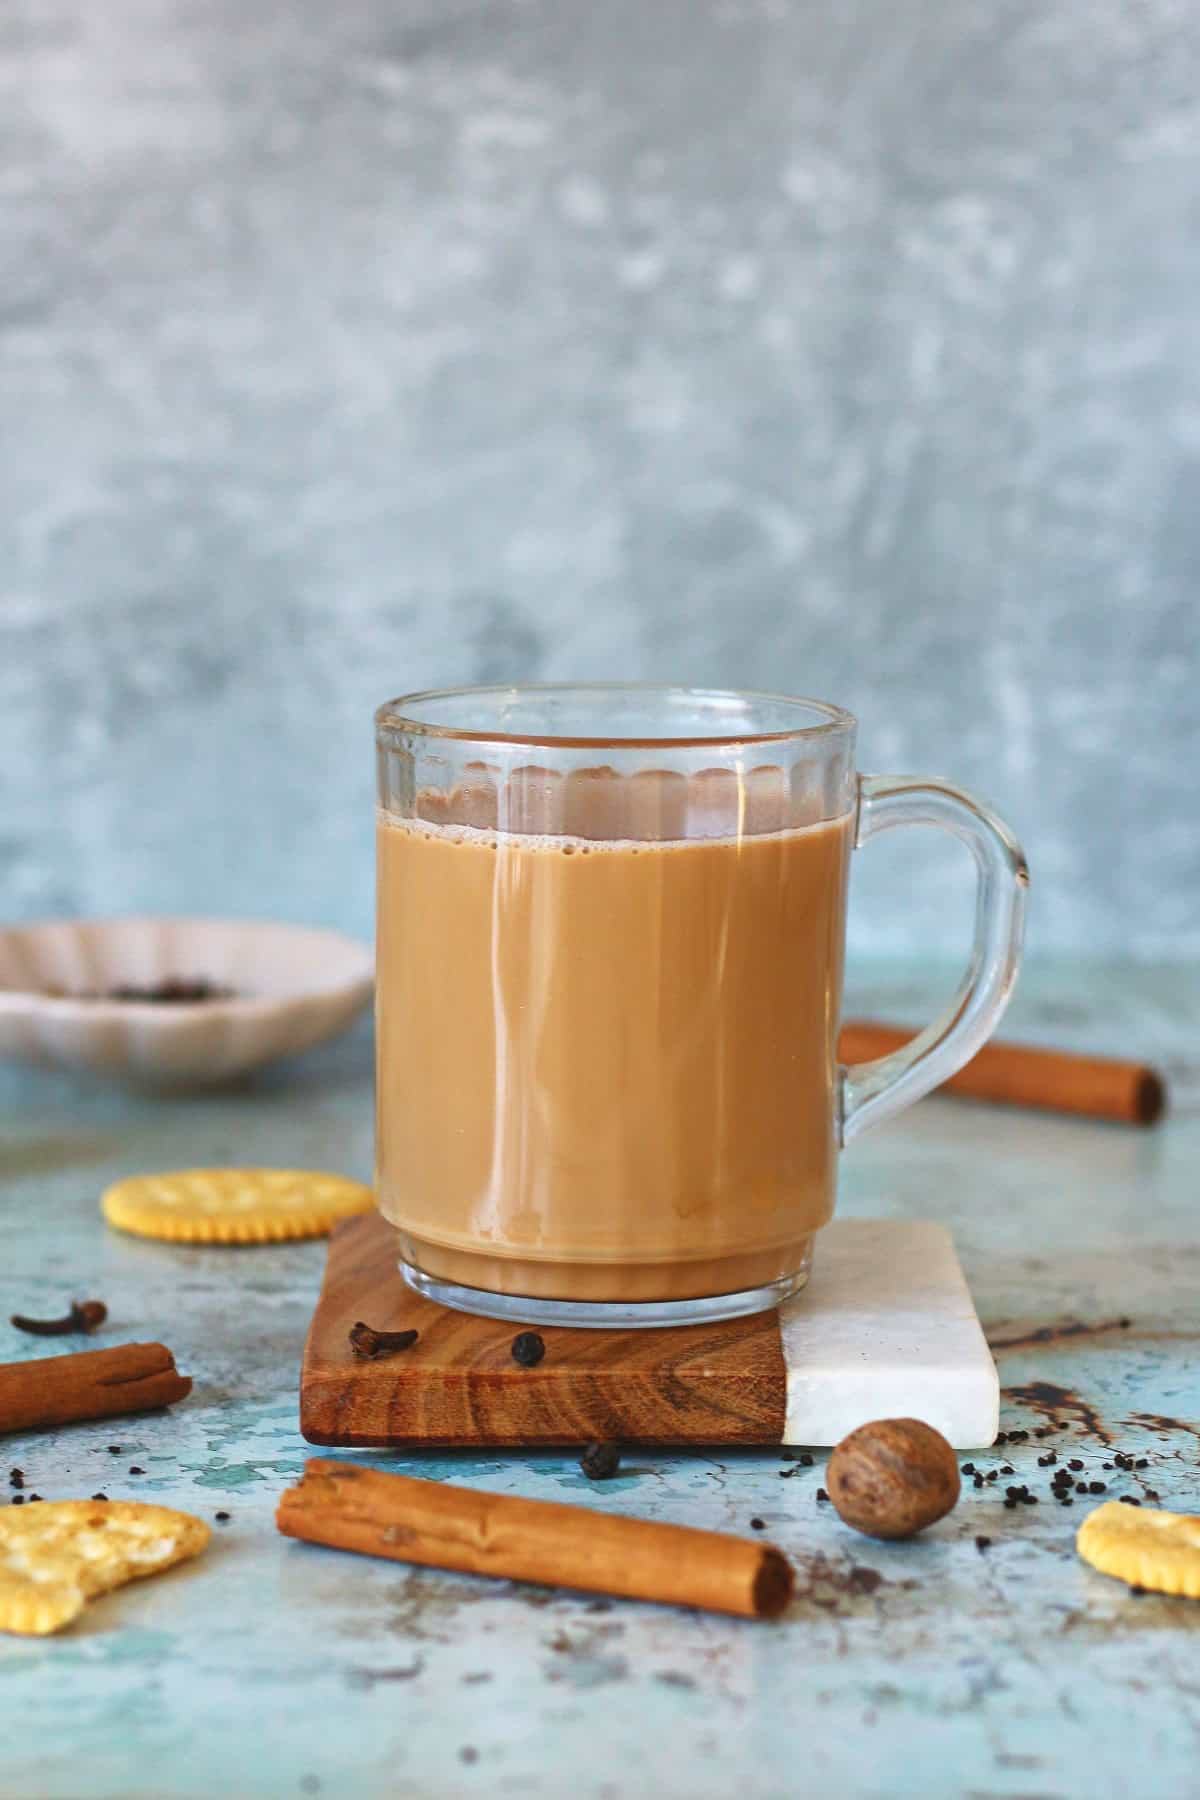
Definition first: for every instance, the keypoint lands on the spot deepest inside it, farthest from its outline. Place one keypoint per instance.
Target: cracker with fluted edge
(234, 1206)
(1144, 1546)
(56, 1555)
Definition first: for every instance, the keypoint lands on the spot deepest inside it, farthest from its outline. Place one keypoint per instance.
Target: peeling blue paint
(923, 1669)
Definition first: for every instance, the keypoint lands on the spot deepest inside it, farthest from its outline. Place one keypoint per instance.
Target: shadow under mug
(610, 937)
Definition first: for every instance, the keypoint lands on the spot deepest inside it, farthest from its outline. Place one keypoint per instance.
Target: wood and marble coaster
(885, 1328)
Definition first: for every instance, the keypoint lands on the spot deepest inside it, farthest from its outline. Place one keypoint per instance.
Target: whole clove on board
(368, 1344)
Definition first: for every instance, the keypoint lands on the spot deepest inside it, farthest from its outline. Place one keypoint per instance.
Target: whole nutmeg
(893, 1478)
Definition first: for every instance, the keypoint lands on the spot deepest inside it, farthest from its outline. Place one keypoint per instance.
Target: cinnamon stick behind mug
(89, 1384)
(1099, 1087)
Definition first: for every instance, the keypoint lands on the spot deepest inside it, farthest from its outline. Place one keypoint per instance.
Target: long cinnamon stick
(1021, 1075)
(446, 1527)
(92, 1384)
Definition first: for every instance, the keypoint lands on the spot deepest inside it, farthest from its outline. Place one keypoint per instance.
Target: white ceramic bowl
(292, 987)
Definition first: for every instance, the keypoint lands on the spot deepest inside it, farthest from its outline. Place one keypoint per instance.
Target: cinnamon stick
(446, 1527)
(91, 1384)
(1022, 1075)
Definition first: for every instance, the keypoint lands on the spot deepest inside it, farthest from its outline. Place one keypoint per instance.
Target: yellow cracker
(56, 1555)
(234, 1206)
(1143, 1546)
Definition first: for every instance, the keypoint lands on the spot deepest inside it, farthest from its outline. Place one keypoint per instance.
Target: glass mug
(610, 939)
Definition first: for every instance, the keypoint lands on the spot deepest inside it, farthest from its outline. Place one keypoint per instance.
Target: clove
(368, 1344)
(85, 1315)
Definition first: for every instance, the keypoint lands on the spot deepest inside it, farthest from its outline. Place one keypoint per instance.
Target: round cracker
(234, 1206)
(1143, 1546)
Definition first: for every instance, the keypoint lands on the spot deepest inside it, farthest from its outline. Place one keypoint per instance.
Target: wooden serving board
(886, 1327)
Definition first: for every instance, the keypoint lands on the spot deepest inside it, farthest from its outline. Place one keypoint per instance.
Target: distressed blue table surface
(275, 1668)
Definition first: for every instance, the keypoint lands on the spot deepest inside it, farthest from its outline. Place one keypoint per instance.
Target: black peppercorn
(599, 1462)
(528, 1349)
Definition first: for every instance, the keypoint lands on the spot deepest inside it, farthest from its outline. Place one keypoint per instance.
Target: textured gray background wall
(852, 349)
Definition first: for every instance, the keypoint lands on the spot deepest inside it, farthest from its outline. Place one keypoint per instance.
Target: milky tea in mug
(610, 938)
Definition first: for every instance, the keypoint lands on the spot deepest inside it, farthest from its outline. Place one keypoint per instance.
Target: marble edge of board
(891, 1331)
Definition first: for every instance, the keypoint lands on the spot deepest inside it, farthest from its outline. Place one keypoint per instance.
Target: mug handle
(873, 1091)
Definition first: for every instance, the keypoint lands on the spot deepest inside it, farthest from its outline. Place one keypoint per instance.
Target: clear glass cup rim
(402, 715)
